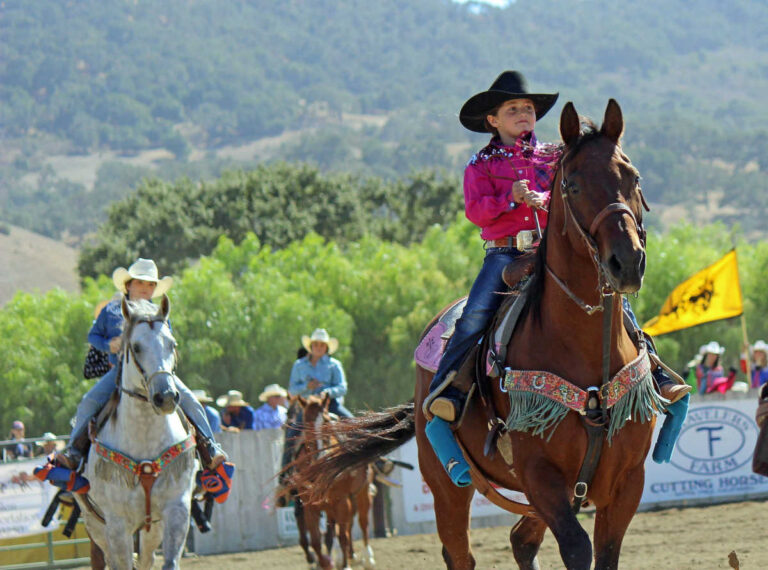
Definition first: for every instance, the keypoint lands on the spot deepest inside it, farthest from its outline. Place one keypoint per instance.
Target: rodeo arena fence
(711, 464)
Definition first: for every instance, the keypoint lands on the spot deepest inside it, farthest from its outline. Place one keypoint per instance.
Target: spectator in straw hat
(272, 413)
(709, 372)
(238, 414)
(139, 282)
(49, 443)
(210, 412)
(318, 373)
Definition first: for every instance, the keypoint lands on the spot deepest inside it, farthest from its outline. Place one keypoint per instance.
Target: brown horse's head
(601, 197)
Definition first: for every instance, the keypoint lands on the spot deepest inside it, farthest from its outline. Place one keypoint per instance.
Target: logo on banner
(714, 440)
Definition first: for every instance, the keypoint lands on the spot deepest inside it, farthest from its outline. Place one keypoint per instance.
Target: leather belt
(509, 241)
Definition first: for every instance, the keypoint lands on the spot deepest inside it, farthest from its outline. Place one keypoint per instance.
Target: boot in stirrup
(445, 402)
(210, 452)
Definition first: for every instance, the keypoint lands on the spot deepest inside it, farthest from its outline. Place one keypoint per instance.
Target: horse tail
(358, 441)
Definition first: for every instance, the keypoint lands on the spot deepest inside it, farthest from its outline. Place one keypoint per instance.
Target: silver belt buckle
(524, 240)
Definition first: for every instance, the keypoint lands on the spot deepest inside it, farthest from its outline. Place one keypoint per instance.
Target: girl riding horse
(506, 188)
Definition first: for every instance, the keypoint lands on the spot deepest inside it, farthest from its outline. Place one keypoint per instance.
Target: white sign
(286, 523)
(23, 499)
(418, 501)
(712, 458)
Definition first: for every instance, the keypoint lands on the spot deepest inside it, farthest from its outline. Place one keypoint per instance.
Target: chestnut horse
(593, 250)
(345, 495)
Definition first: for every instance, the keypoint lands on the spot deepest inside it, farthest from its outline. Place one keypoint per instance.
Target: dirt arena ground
(692, 538)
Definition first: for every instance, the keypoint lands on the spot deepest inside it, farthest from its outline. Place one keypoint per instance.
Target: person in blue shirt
(238, 414)
(318, 373)
(315, 373)
(214, 419)
(272, 413)
(139, 281)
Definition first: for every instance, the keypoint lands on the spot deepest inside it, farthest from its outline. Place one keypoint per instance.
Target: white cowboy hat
(48, 436)
(321, 335)
(273, 390)
(713, 348)
(231, 398)
(202, 396)
(761, 345)
(144, 269)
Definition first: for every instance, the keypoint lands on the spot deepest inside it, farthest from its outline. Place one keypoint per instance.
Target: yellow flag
(711, 294)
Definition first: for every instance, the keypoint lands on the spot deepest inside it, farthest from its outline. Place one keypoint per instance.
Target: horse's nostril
(615, 265)
(176, 398)
(158, 399)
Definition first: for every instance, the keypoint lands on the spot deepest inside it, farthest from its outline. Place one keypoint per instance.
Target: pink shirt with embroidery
(488, 181)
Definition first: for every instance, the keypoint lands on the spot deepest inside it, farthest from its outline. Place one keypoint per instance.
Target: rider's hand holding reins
(531, 198)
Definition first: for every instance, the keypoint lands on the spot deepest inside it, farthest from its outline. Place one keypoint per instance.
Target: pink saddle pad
(430, 349)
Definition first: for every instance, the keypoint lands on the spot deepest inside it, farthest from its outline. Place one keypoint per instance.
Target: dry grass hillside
(32, 262)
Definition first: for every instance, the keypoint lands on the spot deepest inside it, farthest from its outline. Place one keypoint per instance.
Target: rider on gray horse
(139, 281)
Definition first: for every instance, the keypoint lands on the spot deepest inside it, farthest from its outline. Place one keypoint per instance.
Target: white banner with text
(23, 499)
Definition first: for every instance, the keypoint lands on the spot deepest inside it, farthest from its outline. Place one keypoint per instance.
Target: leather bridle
(587, 237)
(130, 355)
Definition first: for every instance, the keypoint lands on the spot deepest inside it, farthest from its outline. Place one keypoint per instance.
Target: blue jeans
(482, 304)
(99, 395)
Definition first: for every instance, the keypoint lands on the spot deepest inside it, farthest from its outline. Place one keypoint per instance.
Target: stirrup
(444, 408)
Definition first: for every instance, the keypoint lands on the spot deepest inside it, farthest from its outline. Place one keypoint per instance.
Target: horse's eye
(637, 180)
(136, 347)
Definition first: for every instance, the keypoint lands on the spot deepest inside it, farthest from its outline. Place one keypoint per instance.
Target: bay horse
(593, 250)
(346, 495)
(141, 464)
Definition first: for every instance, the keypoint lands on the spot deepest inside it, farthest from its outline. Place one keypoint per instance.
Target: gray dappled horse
(141, 464)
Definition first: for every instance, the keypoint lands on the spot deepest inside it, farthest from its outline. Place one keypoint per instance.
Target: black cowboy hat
(508, 85)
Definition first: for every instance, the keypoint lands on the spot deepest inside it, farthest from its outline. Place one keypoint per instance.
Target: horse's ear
(125, 309)
(570, 125)
(165, 307)
(302, 401)
(613, 123)
(326, 401)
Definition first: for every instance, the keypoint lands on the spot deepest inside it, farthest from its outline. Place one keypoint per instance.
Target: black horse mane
(589, 132)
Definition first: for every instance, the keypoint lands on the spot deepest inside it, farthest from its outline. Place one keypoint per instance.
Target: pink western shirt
(488, 180)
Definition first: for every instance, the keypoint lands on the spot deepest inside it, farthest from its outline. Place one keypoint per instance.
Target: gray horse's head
(149, 351)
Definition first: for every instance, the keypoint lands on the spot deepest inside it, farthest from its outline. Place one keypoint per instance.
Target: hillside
(32, 262)
(96, 95)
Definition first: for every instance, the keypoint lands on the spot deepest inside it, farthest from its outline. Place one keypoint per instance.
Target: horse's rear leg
(612, 520)
(364, 501)
(452, 516)
(525, 538)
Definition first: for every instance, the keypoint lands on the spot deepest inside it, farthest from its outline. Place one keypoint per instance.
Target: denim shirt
(106, 326)
(327, 370)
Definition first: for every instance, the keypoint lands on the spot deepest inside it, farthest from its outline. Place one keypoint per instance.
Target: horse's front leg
(312, 520)
(298, 512)
(364, 501)
(548, 491)
(176, 523)
(148, 543)
(612, 519)
(119, 544)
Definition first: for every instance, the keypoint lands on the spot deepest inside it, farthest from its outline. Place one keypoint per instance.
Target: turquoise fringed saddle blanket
(540, 400)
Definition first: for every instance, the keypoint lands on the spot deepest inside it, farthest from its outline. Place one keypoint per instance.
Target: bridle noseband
(587, 237)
